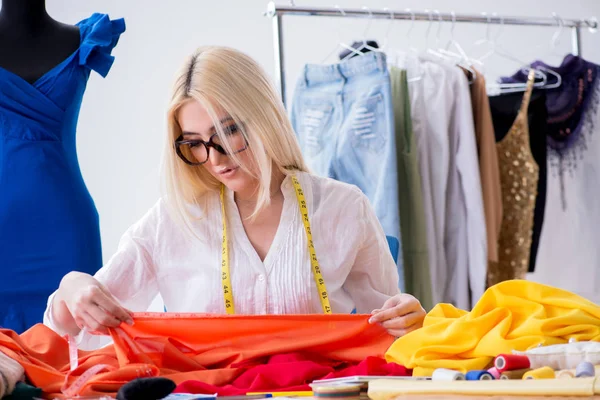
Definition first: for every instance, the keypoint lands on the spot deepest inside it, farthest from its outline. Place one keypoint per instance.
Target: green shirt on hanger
(417, 275)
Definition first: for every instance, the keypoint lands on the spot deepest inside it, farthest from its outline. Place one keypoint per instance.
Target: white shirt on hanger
(445, 136)
(157, 256)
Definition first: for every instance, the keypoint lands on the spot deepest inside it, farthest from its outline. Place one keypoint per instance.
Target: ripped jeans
(343, 117)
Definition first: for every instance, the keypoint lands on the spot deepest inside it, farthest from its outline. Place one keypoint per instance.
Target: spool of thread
(479, 375)
(338, 391)
(511, 362)
(443, 374)
(494, 372)
(516, 374)
(540, 373)
(565, 374)
(585, 370)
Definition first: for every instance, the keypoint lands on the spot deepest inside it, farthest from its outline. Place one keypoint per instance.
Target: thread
(443, 374)
(565, 374)
(511, 362)
(540, 373)
(584, 370)
(479, 375)
(515, 374)
(495, 373)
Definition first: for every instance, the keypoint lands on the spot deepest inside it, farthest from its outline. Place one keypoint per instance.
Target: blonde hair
(227, 80)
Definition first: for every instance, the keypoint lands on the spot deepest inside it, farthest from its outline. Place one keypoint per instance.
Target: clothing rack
(276, 12)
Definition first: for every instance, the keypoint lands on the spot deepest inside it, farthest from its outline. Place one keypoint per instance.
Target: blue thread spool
(479, 375)
(585, 370)
(443, 374)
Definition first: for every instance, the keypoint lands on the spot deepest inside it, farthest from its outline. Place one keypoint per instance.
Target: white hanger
(461, 59)
(340, 42)
(364, 44)
(496, 49)
(383, 47)
(394, 54)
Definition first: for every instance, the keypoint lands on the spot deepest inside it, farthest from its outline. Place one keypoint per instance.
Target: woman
(233, 233)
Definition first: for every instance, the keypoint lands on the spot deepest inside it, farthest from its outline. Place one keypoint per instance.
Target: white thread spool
(443, 374)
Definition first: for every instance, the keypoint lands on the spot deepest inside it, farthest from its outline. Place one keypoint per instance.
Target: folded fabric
(512, 315)
(208, 348)
(293, 373)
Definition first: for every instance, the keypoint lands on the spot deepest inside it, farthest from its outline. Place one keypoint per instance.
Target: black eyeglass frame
(180, 142)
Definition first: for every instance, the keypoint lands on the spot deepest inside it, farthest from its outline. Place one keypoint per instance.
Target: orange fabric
(182, 347)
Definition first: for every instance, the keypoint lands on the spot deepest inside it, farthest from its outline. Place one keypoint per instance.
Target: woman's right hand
(90, 304)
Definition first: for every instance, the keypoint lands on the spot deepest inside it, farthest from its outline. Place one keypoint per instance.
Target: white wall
(122, 121)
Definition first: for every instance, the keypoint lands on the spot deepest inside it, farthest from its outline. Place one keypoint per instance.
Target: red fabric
(217, 350)
(292, 372)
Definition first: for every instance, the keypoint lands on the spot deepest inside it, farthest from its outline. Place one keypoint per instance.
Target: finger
(112, 307)
(402, 322)
(390, 303)
(375, 311)
(398, 311)
(90, 323)
(103, 318)
(402, 332)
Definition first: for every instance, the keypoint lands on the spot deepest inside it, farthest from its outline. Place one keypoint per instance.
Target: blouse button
(261, 278)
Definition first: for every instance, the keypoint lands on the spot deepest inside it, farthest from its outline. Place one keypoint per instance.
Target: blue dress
(49, 224)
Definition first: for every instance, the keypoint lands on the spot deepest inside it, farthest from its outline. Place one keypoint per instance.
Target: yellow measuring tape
(226, 276)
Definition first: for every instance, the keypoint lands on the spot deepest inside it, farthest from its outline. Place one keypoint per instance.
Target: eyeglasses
(195, 152)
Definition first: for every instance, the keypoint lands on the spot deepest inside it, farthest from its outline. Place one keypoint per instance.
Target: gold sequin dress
(518, 180)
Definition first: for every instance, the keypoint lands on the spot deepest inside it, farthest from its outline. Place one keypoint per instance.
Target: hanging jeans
(342, 114)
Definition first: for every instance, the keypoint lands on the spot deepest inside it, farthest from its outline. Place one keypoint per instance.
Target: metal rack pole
(278, 11)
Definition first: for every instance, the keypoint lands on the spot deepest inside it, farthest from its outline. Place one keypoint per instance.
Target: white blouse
(156, 255)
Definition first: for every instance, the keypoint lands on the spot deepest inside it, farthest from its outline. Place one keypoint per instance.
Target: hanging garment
(505, 109)
(342, 114)
(489, 171)
(48, 221)
(512, 315)
(157, 256)
(569, 255)
(417, 277)
(214, 349)
(450, 177)
(519, 179)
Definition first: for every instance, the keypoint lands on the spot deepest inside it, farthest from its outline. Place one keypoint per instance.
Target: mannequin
(49, 224)
(31, 42)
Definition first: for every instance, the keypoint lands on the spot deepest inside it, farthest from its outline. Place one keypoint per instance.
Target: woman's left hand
(400, 315)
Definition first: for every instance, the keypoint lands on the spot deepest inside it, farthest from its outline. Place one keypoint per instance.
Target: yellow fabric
(386, 389)
(512, 315)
